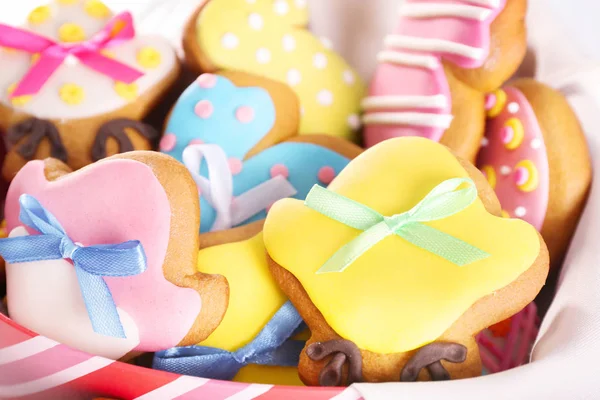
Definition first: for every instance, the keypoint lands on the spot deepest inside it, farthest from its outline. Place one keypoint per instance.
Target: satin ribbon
(442, 202)
(270, 347)
(52, 54)
(218, 191)
(92, 263)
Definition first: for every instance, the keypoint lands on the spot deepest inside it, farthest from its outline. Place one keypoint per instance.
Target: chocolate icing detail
(116, 129)
(36, 130)
(344, 351)
(429, 357)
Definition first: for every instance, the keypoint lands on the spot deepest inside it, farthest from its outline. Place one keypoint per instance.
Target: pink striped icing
(402, 79)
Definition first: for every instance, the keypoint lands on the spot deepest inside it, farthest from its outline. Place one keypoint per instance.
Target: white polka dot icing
(276, 44)
(513, 108)
(100, 95)
(230, 41)
(520, 212)
(325, 97)
(294, 77)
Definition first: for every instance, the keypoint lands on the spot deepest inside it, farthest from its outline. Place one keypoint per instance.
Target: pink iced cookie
(411, 93)
(143, 196)
(513, 157)
(535, 156)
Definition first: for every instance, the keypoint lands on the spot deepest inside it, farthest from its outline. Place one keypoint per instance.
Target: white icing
(349, 77)
(354, 121)
(411, 60)
(289, 43)
(536, 143)
(436, 10)
(325, 97)
(294, 77)
(513, 108)
(505, 170)
(255, 21)
(281, 7)
(520, 212)
(392, 102)
(100, 96)
(263, 55)
(320, 61)
(230, 41)
(408, 118)
(44, 296)
(434, 45)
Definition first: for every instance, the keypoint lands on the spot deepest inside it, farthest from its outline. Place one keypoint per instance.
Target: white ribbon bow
(218, 190)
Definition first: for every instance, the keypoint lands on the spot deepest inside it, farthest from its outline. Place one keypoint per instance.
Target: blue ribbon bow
(270, 347)
(91, 263)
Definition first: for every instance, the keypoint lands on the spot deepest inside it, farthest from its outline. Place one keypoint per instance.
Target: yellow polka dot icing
(148, 57)
(39, 15)
(253, 300)
(97, 9)
(71, 33)
(526, 176)
(379, 302)
(495, 103)
(127, 91)
(72, 94)
(18, 101)
(269, 38)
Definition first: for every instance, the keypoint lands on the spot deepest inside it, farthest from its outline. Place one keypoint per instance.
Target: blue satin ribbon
(92, 263)
(270, 347)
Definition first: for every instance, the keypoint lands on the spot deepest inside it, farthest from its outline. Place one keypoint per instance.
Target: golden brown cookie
(144, 197)
(436, 68)
(90, 106)
(395, 296)
(535, 156)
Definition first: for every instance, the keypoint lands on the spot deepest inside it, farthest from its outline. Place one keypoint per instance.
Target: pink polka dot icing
(326, 175)
(521, 176)
(195, 141)
(245, 114)
(507, 133)
(490, 101)
(235, 165)
(279, 170)
(207, 81)
(506, 161)
(168, 142)
(204, 109)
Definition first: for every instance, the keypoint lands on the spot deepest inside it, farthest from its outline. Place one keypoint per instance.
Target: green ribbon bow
(443, 201)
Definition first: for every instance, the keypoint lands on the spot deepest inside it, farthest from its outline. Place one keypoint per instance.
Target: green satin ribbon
(443, 201)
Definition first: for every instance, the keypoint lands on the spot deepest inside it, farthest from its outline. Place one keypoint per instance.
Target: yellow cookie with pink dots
(269, 38)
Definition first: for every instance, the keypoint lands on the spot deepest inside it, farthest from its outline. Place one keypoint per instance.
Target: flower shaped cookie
(249, 119)
(77, 66)
(424, 288)
(140, 197)
(270, 38)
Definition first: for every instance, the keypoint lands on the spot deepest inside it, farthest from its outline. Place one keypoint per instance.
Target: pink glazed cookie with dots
(436, 67)
(535, 156)
(147, 197)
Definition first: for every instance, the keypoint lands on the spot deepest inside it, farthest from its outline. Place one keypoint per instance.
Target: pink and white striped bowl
(35, 367)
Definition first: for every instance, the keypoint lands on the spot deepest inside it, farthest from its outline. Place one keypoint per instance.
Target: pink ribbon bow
(52, 54)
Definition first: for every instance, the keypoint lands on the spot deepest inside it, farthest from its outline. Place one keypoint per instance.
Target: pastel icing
(135, 207)
(304, 163)
(517, 163)
(384, 291)
(220, 126)
(269, 38)
(253, 300)
(409, 94)
(72, 23)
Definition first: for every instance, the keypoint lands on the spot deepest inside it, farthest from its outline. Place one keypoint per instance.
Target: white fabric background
(563, 37)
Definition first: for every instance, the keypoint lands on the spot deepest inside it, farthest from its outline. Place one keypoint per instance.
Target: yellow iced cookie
(253, 300)
(270, 38)
(397, 296)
